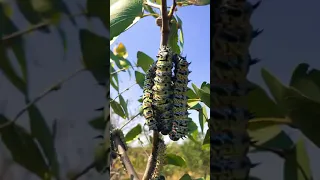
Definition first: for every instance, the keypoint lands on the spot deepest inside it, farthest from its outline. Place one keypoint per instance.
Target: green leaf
(175, 160)
(259, 123)
(16, 44)
(299, 157)
(186, 177)
(265, 134)
(194, 104)
(124, 105)
(9, 72)
(205, 97)
(144, 61)
(304, 113)
(123, 14)
(181, 37)
(133, 133)
(173, 37)
(95, 59)
(32, 16)
(202, 118)
(192, 126)
(306, 81)
(275, 87)
(98, 123)
(100, 9)
(196, 90)
(42, 133)
(139, 78)
(280, 141)
(206, 139)
(116, 107)
(191, 94)
(23, 149)
(259, 103)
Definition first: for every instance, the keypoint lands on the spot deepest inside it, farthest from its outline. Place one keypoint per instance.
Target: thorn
(256, 33)
(99, 109)
(253, 165)
(254, 61)
(98, 137)
(256, 5)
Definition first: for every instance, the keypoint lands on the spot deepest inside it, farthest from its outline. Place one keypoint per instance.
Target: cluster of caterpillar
(161, 150)
(164, 99)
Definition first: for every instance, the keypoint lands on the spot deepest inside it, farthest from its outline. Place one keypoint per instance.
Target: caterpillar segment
(231, 61)
(147, 102)
(180, 108)
(161, 150)
(119, 133)
(163, 89)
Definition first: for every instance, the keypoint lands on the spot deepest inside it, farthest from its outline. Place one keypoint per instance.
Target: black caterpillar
(164, 100)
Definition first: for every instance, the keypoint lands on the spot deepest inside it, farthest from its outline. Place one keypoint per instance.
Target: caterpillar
(161, 149)
(180, 106)
(148, 110)
(118, 133)
(162, 99)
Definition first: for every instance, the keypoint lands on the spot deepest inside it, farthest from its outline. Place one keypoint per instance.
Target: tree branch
(124, 158)
(165, 24)
(152, 158)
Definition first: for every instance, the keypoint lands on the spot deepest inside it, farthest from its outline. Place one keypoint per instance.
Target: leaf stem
(55, 87)
(130, 120)
(123, 92)
(34, 27)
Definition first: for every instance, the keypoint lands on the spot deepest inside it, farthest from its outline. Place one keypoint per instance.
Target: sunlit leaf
(122, 15)
(133, 133)
(144, 61)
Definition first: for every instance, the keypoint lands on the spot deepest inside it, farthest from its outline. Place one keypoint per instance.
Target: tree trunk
(229, 138)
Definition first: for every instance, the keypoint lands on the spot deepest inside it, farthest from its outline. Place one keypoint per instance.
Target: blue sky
(145, 36)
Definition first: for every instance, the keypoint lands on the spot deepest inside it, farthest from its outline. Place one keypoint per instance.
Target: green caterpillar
(164, 100)
(163, 89)
(119, 133)
(180, 105)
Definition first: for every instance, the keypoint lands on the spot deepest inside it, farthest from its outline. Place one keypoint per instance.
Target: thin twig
(122, 92)
(132, 118)
(84, 171)
(117, 71)
(55, 87)
(34, 27)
